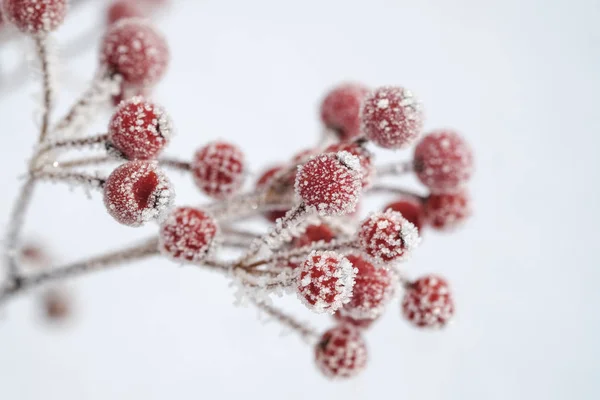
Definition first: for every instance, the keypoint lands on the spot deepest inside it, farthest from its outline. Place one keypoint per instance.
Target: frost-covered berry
(187, 234)
(443, 161)
(35, 16)
(447, 211)
(357, 323)
(391, 117)
(267, 179)
(330, 183)
(387, 236)
(137, 192)
(412, 210)
(340, 109)
(139, 129)
(364, 156)
(325, 281)
(134, 49)
(315, 233)
(428, 302)
(219, 169)
(121, 9)
(341, 352)
(373, 288)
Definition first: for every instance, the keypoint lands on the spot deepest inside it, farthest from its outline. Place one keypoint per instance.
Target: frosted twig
(90, 141)
(398, 168)
(86, 180)
(41, 44)
(174, 163)
(305, 331)
(396, 190)
(97, 263)
(85, 162)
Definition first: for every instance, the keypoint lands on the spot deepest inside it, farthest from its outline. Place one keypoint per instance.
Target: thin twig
(303, 330)
(397, 168)
(41, 44)
(396, 190)
(88, 181)
(170, 162)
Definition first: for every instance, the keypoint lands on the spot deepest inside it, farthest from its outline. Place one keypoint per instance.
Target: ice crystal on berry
(412, 210)
(341, 352)
(340, 109)
(219, 169)
(187, 234)
(428, 302)
(447, 211)
(35, 16)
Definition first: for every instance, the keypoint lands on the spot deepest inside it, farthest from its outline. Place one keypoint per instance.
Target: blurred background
(519, 79)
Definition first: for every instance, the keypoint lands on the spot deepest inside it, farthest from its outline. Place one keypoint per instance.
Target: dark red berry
(139, 129)
(315, 233)
(443, 161)
(219, 169)
(412, 210)
(391, 117)
(136, 51)
(137, 192)
(325, 281)
(330, 183)
(187, 234)
(428, 302)
(340, 109)
(447, 211)
(387, 236)
(266, 179)
(341, 352)
(35, 16)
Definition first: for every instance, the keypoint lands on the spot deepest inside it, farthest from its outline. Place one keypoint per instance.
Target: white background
(518, 78)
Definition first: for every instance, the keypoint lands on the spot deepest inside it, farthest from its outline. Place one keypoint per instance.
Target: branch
(41, 44)
(396, 190)
(303, 330)
(74, 178)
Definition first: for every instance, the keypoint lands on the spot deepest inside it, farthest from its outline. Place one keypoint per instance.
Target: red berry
(325, 281)
(303, 156)
(330, 183)
(139, 129)
(137, 192)
(364, 156)
(443, 161)
(57, 305)
(428, 302)
(391, 117)
(315, 233)
(35, 16)
(187, 234)
(341, 352)
(357, 323)
(412, 210)
(218, 169)
(373, 288)
(387, 236)
(134, 49)
(340, 110)
(447, 211)
(266, 179)
(121, 9)
(127, 91)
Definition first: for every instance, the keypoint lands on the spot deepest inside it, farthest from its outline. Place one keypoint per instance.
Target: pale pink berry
(341, 352)
(330, 183)
(219, 169)
(139, 129)
(134, 49)
(121, 9)
(187, 234)
(325, 281)
(340, 109)
(137, 192)
(35, 16)
(428, 302)
(443, 161)
(447, 211)
(391, 117)
(387, 236)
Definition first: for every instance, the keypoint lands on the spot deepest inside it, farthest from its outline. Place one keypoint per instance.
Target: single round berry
(315, 233)
(373, 288)
(134, 49)
(325, 281)
(57, 306)
(187, 234)
(35, 16)
(391, 117)
(341, 352)
(139, 129)
(330, 183)
(340, 109)
(412, 210)
(266, 179)
(137, 192)
(357, 323)
(387, 236)
(364, 156)
(428, 302)
(443, 161)
(447, 211)
(121, 9)
(219, 169)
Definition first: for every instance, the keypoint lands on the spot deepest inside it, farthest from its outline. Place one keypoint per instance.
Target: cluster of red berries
(352, 277)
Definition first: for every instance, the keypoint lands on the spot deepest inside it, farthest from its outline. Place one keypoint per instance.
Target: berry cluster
(317, 244)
